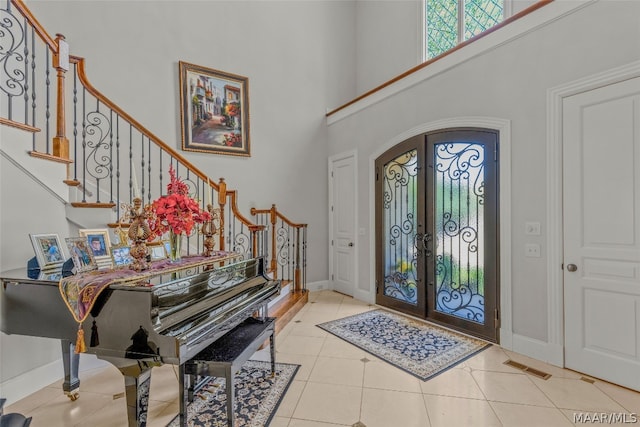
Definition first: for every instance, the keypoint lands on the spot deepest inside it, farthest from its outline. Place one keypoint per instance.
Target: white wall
(26, 207)
(508, 82)
(298, 57)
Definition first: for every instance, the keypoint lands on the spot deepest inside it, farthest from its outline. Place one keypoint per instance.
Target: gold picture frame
(98, 240)
(214, 111)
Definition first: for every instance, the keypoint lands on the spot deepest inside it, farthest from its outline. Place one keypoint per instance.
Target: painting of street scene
(214, 110)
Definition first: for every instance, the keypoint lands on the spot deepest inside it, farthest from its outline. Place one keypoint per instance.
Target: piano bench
(226, 356)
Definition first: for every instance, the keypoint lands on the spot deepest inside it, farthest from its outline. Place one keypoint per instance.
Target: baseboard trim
(318, 286)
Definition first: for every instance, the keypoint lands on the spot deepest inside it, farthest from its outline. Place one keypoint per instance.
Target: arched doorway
(437, 229)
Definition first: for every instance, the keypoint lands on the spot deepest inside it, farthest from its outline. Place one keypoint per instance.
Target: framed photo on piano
(214, 111)
(99, 244)
(121, 256)
(81, 254)
(48, 250)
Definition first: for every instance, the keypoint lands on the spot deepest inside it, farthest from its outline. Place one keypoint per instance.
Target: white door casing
(601, 232)
(342, 219)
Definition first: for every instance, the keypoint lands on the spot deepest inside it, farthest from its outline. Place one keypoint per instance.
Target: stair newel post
(61, 64)
(222, 200)
(273, 216)
(296, 275)
(254, 229)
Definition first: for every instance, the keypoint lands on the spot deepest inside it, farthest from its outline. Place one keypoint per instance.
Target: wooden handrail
(36, 25)
(418, 67)
(255, 211)
(82, 76)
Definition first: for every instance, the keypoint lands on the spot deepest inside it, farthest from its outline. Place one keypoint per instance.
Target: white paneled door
(601, 186)
(343, 223)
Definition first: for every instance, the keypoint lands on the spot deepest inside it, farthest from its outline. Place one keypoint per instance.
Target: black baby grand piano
(170, 320)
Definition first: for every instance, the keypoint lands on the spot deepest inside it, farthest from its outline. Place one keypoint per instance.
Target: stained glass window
(449, 22)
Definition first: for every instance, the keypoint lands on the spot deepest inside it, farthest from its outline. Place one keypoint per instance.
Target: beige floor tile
(491, 359)
(513, 415)
(164, 383)
(279, 422)
(629, 399)
(33, 401)
(306, 363)
(291, 398)
(455, 382)
(108, 380)
(306, 423)
(322, 307)
(576, 394)
(385, 408)
(317, 317)
(62, 412)
(446, 411)
(309, 346)
(163, 415)
(113, 414)
(382, 375)
(336, 347)
(338, 371)
(511, 388)
(329, 403)
(307, 330)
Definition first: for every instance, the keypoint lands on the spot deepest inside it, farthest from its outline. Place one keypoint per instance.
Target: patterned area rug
(421, 349)
(257, 397)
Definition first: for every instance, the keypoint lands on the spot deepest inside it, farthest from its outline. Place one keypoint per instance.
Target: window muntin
(450, 22)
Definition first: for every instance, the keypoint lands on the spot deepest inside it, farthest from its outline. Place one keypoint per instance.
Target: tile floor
(341, 385)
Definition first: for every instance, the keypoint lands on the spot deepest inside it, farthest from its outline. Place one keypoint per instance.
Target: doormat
(422, 349)
(258, 396)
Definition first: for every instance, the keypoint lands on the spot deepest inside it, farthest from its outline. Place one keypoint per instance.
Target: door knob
(350, 244)
(572, 267)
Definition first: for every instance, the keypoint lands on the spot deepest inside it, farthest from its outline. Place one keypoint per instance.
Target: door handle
(572, 267)
(350, 244)
(425, 244)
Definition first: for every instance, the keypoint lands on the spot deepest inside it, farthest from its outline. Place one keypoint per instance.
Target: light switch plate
(532, 228)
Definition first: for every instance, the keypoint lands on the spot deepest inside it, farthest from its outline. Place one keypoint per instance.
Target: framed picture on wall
(214, 111)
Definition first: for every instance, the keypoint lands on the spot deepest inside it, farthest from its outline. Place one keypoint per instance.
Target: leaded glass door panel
(399, 223)
(436, 229)
(462, 218)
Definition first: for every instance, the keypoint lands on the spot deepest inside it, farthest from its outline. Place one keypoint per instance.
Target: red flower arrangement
(176, 212)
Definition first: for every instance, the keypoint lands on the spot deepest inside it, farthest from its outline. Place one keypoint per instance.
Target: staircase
(97, 158)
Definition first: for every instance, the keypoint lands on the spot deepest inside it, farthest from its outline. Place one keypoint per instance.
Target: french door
(437, 229)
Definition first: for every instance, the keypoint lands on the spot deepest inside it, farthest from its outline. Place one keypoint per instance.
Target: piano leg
(185, 396)
(137, 392)
(272, 345)
(70, 361)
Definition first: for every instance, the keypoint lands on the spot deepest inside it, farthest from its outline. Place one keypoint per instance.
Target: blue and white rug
(257, 397)
(419, 348)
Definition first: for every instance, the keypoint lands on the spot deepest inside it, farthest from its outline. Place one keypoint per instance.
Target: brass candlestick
(209, 230)
(139, 232)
